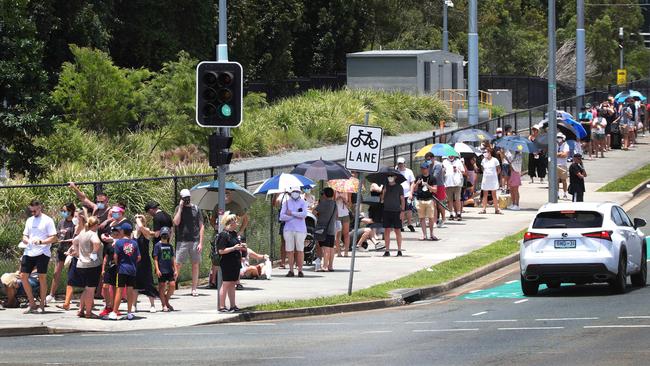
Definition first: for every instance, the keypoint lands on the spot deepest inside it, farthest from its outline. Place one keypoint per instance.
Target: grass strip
(627, 182)
(437, 274)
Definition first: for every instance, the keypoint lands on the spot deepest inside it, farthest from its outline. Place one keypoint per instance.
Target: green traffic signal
(226, 111)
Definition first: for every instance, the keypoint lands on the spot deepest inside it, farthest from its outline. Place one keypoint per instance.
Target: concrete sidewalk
(458, 238)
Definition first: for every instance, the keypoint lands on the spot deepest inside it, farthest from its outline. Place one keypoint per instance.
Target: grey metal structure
(552, 94)
(412, 71)
(580, 52)
(472, 74)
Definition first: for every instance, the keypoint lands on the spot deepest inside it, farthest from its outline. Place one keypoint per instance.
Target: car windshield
(568, 220)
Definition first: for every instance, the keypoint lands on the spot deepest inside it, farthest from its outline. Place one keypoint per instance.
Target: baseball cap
(401, 160)
(577, 155)
(165, 230)
(560, 134)
(424, 165)
(125, 226)
(150, 205)
(588, 105)
(499, 129)
(117, 209)
(185, 193)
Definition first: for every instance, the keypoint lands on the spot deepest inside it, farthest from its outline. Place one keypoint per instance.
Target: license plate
(565, 244)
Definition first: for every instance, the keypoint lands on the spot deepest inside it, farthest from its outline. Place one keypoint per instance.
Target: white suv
(583, 243)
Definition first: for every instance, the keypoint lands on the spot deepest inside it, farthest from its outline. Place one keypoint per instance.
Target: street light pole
(472, 40)
(552, 114)
(580, 53)
(445, 32)
(621, 47)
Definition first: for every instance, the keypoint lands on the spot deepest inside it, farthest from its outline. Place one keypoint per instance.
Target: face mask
(115, 215)
(499, 134)
(75, 221)
(307, 191)
(101, 205)
(559, 141)
(391, 179)
(295, 195)
(64, 214)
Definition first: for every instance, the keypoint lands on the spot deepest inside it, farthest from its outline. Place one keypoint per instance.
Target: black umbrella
(381, 177)
(471, 135)
(318, 170)
(564, 127)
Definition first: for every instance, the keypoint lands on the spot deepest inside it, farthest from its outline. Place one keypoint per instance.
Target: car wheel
(619, 283)
(529, 288)
(554, 284)
(641, 278)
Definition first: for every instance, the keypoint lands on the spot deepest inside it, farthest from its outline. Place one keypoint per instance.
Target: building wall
(385, 73)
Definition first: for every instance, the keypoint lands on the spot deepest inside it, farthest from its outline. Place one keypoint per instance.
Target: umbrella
(566, 128)
(463, 148)
(516, 143)
(437, 150)
(321, 170)
(471, 135)
(344, 185)
(563, 115)
(620, 97)
(206, 196)
(542, 142)
(381, 176)
(283, 182)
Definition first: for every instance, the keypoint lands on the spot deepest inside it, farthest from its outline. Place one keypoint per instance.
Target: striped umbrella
(318, 170)
(283, 183)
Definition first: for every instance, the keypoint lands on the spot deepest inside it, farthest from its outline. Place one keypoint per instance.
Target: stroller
(310, 242)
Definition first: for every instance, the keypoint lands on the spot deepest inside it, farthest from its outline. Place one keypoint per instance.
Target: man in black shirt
(392, 196)
(189, 244)
(423, 189)
(161, 219)
(577, 176)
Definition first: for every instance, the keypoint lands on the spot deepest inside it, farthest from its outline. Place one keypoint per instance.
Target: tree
(96, 94)
(22, 85)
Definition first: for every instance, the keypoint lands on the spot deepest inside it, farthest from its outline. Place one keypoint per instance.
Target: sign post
(621, 76)
(363, 154)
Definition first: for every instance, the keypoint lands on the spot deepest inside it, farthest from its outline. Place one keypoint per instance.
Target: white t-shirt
(453, 179)
(38, 228)
(410, 178)
(490, 167)
(564, 147)
(515, 160)
(599, 125)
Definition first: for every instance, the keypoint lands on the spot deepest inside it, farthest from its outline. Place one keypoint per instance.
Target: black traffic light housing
(219, 154)
(219, 94)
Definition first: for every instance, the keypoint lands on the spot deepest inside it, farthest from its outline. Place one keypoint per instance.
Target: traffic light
(219, 154)
(219, 94)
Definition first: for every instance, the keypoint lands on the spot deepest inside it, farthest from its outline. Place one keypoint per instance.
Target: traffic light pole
(552, 114)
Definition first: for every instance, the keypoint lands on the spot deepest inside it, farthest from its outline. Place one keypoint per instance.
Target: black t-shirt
(393, 197)
(188, 230)
(227, 239)
(160, 220)
(164, 253)
(421, 193)
(576, 184)
(108, 253)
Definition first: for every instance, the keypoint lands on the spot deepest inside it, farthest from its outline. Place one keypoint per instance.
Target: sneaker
(239, 286)
(113, 316)
(565, 197)
(515, 208)
(441, 225)
(106, 311)
(290, 274)
(130, 316)
(31, 310)
(152, 309)
(386, 254)
(401, 229)
(300, 274)
(316, 264)
(49, 299)
(399, 253)
(411, 228)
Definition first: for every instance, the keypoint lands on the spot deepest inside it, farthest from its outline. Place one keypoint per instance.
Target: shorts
(166, 277)
(188, 250)
(124, 280)
(425, 209)
(505, 170)
(89, 276)
(281, 230)
(392, 220)
(328, 242)
(454, 193)
(599, 136)
(74, 279)
(562, 173)
(60, 251)
(27, 264)
(515, 179)
(344, 219)
(294, 241)
(441, 193)
(110, 276)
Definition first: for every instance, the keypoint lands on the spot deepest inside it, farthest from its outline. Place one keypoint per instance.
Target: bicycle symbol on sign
(366, 139)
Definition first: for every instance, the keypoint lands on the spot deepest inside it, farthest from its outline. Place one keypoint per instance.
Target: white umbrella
(463, 148)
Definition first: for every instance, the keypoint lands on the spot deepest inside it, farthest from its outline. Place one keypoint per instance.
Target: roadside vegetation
(627, 182)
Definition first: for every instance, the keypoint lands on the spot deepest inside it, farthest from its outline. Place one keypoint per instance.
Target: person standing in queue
(66, 232)
(327, 213)
(165, 263)
(293, 214)
(89, 265)
(423, 189)
(229, 248)
(189, 226)
(577, 175)
(392, 196)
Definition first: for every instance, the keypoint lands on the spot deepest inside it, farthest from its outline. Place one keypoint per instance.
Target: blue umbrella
(206, 196)
(620, 97)
(570, 130)
(516, 143)
(284, 182)
(582, 133)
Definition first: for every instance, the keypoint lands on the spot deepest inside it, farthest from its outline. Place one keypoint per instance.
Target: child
(127, 256)
(165, 264)
(109, 270)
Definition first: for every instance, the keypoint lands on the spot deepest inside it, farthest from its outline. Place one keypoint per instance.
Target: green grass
(628, 181)
(440, 273)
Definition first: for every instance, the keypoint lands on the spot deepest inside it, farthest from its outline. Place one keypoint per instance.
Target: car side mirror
(639, 223)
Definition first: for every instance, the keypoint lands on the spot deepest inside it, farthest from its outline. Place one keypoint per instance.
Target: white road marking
(521, 301)
(192, 334)
(432, 322)
(315, 324)
(473, 291)
(249, 324)
(532, 328)
(617, 326)
(282, 358)
(480, 313)
(563, 319)
(377, 332)
(48, 335)
(487, 321)
(445, 330)
(513, 281)
(635, 317)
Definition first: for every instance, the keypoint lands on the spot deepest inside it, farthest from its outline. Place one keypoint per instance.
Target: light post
(580, 54)
(445, 30)
(472, 40)
(552, 114)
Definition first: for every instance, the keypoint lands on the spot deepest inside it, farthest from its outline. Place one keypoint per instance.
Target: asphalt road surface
(485, 323)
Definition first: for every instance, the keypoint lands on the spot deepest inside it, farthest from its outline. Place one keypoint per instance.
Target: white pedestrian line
(563, 319)
(521, 301)
(377, 332)
(532, 328)
(513, 281)
(617, 326)
(487, 321)
(445, 330)
(473, 291)
(480, 313)
(635, 317)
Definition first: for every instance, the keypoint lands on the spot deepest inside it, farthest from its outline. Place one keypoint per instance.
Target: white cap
(401, 160)
(536, 126)
(499, 129)
(560, 134)
(185, 193)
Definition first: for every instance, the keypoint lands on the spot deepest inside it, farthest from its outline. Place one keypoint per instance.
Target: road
(488, 322)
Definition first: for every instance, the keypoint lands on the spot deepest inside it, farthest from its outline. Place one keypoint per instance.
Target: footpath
(457, 238)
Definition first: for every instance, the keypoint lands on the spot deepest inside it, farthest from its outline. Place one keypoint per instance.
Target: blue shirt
(163, 254)
(127, 256)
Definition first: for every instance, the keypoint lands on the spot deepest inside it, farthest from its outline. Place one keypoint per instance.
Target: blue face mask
(64, 214)
(115, 215)
(101, 206)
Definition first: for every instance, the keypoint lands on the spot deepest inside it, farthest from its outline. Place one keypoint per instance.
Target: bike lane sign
(364, 148)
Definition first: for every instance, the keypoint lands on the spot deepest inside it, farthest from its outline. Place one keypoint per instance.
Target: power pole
(580, 54)
(445, 31)
(552, 114)
(472, 39)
